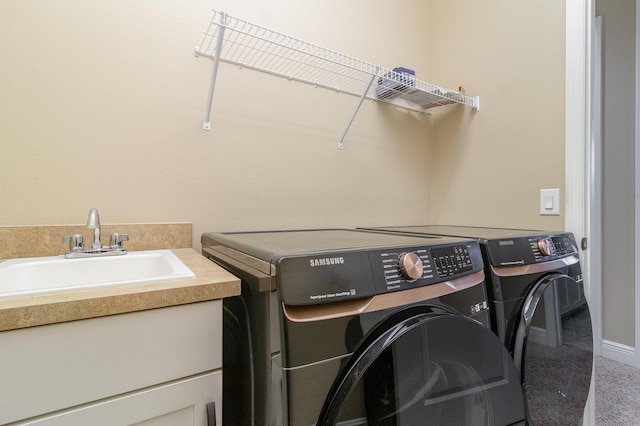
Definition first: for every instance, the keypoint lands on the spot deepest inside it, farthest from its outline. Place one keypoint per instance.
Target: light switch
(550, 201)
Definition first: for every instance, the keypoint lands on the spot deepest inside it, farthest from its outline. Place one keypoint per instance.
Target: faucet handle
(116, 240)
(75, 241)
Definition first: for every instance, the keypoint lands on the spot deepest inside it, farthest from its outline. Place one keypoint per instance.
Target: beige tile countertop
(211, 282)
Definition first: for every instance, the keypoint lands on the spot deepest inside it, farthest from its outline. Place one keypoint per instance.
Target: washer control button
(410, 266)
(546, 247)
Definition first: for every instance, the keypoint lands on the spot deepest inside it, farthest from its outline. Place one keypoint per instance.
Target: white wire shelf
(252, 46)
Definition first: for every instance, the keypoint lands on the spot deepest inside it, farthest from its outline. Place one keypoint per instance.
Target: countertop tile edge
(211, 283)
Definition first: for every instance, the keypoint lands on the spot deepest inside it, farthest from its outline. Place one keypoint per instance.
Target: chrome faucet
(76, 242)
(93, 223)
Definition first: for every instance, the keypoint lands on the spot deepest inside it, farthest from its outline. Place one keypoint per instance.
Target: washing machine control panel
(411, 266)
(454, 260)
(355, 274)
(400, 269)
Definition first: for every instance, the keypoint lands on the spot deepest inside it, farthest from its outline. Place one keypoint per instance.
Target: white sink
(54, 274)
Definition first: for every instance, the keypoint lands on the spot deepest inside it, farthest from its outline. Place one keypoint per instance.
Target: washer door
(423, 367)
(552, 348)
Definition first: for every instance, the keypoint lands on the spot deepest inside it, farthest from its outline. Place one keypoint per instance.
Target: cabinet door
(56, 367)
(179, 403)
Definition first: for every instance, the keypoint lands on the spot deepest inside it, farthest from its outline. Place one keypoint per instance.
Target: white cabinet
(180, 403)
(155, 367)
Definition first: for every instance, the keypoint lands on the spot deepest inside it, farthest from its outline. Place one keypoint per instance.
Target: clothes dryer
(356, 328)
(539, 311)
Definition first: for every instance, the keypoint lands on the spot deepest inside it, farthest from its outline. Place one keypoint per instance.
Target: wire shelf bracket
(252, 46)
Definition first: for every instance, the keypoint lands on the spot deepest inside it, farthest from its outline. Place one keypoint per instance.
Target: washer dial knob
(410, 266)
(546, 247)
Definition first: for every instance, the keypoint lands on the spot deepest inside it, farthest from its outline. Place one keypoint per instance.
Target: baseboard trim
(611, 350)
(538, 335)
(619, 352)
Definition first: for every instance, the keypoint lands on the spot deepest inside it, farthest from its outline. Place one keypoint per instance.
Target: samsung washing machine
(539, 311)
(346, 327)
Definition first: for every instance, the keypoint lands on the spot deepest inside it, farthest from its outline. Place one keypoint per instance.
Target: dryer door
(552, 347)
(422, 367)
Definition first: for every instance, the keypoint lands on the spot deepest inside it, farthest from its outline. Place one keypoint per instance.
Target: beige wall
(101, 105)
(489, 167)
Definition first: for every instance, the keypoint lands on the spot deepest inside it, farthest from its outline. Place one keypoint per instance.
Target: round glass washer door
(422, 366)
(552, 345)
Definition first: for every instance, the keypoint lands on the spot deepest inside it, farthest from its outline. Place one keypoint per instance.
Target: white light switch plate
(550, 201)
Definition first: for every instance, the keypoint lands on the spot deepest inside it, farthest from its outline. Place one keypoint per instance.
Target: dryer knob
(410, 266)
(546, 247)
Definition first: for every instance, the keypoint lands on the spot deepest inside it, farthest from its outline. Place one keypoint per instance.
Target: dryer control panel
(531, 249)
(557, 245)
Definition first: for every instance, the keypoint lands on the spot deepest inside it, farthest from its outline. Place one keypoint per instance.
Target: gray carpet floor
(617, 393)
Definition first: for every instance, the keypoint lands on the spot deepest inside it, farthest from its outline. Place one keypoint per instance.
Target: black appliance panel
(528, 251)
(339, 276)
(440, 263)
(324, 278)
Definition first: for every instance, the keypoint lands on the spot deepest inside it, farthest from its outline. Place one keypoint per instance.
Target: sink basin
(54, 274)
